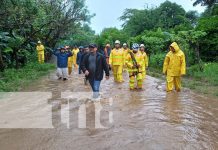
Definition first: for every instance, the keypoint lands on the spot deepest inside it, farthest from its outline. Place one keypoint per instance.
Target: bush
(208, 75)
(156, 61)
(14, 79)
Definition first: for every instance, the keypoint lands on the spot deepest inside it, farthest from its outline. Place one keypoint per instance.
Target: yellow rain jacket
(135, 73)
(117, 57)
(145, 61)
(70, 61)
(40, 49)
(41, 53)
(174, 64)
(126, 51)
(74, 57)
(129, 62)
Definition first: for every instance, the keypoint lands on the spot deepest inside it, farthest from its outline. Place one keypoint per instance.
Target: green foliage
(84, 36)
(156, 61)
(209, 44)
(208, 75)
(167, 16)
(24, 22)
(204, 2)
(13, 80)
(110, 35)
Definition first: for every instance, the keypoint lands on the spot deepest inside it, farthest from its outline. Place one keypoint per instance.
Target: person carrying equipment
(116, 62)
(134, 62)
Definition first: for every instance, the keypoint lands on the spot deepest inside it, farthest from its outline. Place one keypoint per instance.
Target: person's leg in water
(96, 87)
(65, 73)
(86, 80)
(80, 71)
(59, 73)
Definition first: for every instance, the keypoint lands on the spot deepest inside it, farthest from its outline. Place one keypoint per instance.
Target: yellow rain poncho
(74, 57)
(174, 67)
(41, 53)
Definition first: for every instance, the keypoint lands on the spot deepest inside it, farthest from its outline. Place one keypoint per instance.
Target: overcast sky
(108, 11)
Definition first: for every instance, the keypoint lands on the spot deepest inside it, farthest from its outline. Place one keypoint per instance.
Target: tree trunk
(197, 54)
(2, 66)
(16, 58)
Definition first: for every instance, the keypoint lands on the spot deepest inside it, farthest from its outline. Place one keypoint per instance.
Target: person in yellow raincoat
(74, 57)
(145, 60)
(116, 62)
(41, 52)
(134, 62)
(174, 67)
(70, 62)
(126, 51)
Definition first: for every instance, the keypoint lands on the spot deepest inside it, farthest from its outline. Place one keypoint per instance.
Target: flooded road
(148, 119)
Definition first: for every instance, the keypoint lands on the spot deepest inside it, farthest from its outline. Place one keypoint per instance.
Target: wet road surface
(148, 119)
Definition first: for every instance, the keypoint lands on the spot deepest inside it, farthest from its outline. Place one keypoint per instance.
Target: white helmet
(142, 45)
(117, 42)
(124, 44)
(39, 42)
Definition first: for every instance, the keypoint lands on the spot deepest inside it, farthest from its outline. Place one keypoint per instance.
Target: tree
(204, 2)
(50, 21)
(167, 16)
(110, 35)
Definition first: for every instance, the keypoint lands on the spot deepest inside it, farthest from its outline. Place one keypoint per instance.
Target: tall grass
(13, 80)
(208, 75)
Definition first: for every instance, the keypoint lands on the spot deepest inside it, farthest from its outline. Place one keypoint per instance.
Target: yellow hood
(175, 46)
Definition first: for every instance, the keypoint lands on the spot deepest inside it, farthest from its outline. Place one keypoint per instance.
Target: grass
(205, 82)
(12, 80)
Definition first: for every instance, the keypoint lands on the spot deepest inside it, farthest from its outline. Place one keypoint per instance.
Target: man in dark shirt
(94, 65)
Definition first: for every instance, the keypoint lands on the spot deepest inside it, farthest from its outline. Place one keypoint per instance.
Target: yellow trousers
(118, 73)
(69, 70)
(75, 66)
(143, 74)
(173, 82)
(125, 68)
(41, 58)
(132, 79)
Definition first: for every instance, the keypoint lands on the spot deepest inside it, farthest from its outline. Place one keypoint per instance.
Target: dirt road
(149, 119)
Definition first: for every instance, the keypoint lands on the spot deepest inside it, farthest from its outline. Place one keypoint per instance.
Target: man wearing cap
(134, 62)
(145, 60)
(116, 62)
(78, 59)
(62, 62)
(41, 52)
(94, 65)
(126, 51)
(86, 51)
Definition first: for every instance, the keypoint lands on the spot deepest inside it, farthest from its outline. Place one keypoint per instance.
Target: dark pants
(95, 87)
(79, 69)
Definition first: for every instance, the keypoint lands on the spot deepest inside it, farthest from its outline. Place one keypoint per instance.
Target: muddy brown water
(148, 119)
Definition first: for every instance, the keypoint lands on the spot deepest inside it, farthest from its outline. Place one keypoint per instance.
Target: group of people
(93, 64)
